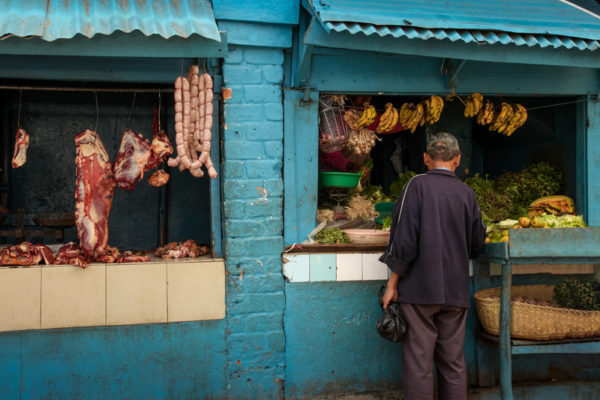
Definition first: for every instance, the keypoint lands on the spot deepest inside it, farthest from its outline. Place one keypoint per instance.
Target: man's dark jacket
(436, 228)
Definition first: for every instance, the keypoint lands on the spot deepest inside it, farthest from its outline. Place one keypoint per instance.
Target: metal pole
(86, 89)
(504, 339)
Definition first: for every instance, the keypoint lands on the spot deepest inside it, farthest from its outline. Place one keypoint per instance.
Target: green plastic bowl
(385, 209)
(346, 180)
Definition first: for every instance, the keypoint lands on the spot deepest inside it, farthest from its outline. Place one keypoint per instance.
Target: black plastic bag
(392, 324)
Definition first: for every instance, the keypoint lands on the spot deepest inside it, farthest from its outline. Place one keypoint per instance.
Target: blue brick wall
(253, 222)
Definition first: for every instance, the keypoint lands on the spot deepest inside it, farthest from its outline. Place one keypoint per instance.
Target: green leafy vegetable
(494, 206)
(571, 293)
(563, 221)
(332, 236)
(387, 223)
(397, 186)
(534, 181)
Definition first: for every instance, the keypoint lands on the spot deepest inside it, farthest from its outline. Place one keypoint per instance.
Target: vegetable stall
(525, 124)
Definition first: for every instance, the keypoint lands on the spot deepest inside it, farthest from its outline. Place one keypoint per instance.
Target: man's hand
(391, 294)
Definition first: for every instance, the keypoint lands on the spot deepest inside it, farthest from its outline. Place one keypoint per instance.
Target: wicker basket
(533, 321)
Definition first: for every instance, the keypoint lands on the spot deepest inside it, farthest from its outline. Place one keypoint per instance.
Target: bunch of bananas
(389, 119)
(473, 105)
(367, 117)
(486, 114)
(501, 120)
(518, 119)
(434, 106)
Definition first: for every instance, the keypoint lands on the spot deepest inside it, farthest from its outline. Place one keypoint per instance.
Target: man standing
(436, 229)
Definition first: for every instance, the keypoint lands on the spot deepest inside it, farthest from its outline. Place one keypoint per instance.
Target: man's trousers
(435, 333)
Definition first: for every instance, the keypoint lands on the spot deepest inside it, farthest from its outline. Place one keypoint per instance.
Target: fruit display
(428, 111)
(557, 205)
(389, 119)
(499, 232)
(504, 118)
(473, 105)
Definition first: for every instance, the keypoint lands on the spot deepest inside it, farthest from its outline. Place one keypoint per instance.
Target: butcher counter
(158, 291)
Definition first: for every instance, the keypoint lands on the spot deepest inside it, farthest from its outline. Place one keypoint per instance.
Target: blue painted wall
(181, 360)
(253, 222)
(333, 347)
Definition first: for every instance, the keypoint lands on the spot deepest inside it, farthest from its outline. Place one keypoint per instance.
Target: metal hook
(131, 110)
(19, 111)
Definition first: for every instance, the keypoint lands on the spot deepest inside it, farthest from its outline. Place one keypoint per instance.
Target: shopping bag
(392, 324)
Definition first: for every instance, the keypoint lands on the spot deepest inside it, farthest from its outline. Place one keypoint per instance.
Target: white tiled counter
(159, 291)
(323, 267)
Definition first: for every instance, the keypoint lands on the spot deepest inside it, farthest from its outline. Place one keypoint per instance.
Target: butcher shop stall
(110, 166)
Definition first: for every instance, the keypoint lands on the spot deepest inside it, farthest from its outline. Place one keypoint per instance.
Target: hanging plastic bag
(392, 324)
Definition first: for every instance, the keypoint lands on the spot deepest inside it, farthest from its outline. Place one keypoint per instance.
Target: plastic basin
(385, 209)
(347, 180)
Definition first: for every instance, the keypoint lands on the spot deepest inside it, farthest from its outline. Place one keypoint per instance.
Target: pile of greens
(572, 293)
(510, 195)
(397, 186)
(331, 236)
(375, 194)
(563, 221)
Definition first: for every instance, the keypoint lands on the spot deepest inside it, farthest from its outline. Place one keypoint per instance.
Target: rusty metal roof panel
(63, 19)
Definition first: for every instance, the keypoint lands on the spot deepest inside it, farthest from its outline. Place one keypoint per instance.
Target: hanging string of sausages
(193, 122)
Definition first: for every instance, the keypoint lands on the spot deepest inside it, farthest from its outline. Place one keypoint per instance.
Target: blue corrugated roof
(544, 23)
(52, 20)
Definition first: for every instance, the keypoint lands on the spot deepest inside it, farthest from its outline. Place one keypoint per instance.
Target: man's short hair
(442, 146)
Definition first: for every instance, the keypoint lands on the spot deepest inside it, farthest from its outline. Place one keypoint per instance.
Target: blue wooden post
(505, 350)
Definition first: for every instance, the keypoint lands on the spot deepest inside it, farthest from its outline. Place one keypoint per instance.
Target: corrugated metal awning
(542, 23)
(53, 20)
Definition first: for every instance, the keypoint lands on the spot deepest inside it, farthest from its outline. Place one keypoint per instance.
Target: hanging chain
(97, 112)
(19, 111)
(131, 110)
(159, 101)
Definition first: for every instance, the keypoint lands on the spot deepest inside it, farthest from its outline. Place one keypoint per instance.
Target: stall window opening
(37, 198)
(384, 158)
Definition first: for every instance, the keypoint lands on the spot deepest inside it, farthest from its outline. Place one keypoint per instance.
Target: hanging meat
(93, 193)
(131, 159)
(193, 121)
(158, 178)
(21, 145)
(160, 149)
(71, 254)
(25, 254)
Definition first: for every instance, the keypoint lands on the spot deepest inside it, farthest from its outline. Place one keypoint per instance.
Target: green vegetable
(534, 181)
(572, 293)
(387, 223)
(564, 221)
(397, 186)
(494, 206)
(332, 236)
(373, 193)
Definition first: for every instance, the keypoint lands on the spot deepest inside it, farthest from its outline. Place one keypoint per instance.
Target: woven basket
(533, 321)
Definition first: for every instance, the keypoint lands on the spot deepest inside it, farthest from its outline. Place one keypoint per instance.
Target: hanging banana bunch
(518, 119)
(435, 105)
(486, 114)
(502, 118)
(367, 117)
(473, 105)
(388, 120)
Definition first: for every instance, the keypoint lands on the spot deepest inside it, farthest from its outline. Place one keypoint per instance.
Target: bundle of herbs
(332, 236)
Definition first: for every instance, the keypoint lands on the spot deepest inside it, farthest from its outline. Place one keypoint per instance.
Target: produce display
(193, 121)
(93, 192)
(360, 139)
(331, 236)
(375, 194)
(571, 293)
(428, 111)
(20, 152)
(503, 118)
(510, 195)
(388, 120)
(360, 207)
